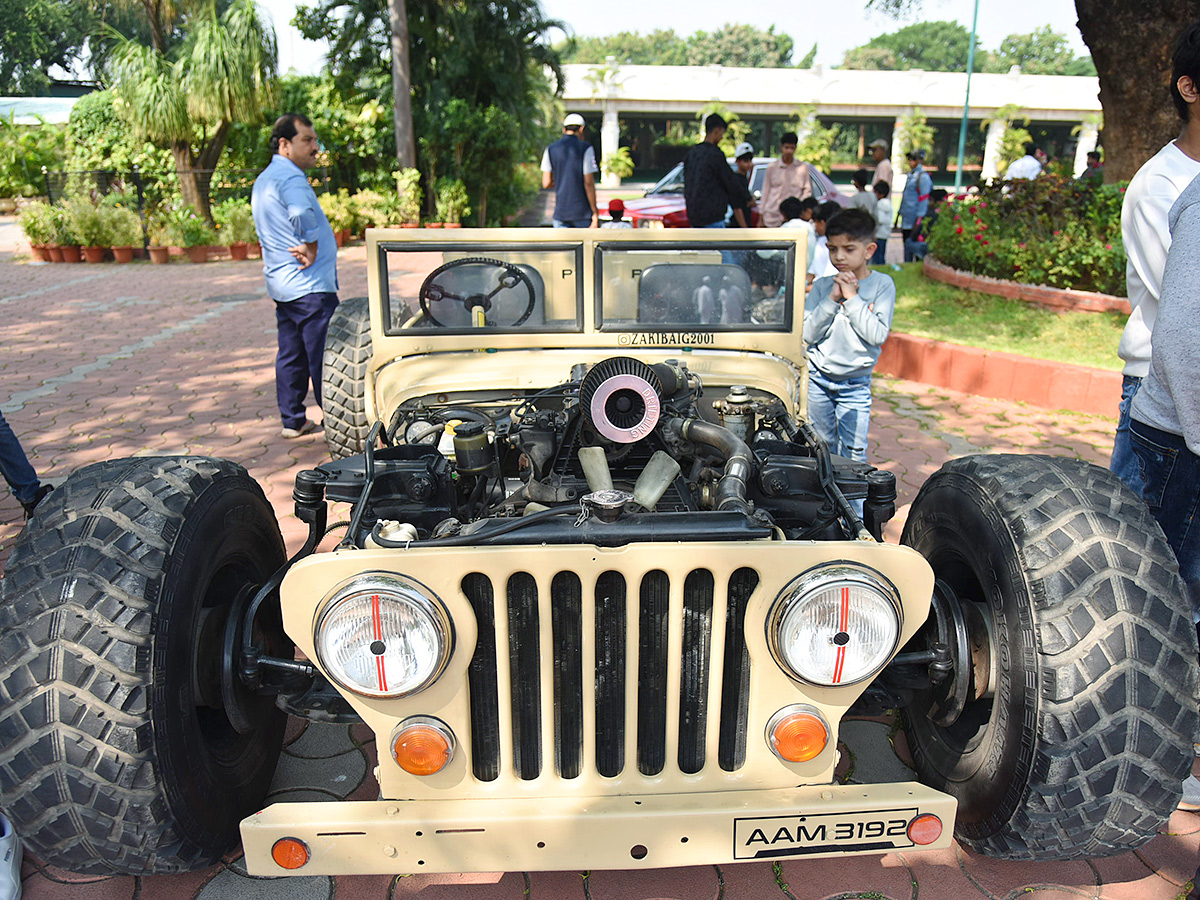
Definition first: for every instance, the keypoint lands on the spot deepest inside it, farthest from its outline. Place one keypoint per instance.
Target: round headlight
(383, 636)
(834, 625)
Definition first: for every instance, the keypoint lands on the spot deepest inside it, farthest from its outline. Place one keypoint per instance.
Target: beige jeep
(604, 599)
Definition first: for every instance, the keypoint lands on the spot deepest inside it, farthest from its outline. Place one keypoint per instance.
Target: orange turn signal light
(798, 734)
(289, 853)
(422, 745)
(925, 829)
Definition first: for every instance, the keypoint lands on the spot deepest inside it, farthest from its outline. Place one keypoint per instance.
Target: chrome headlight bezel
(803, 589)
(397, 589)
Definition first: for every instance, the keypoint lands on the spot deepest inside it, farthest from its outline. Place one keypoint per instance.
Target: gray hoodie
(1169, 398)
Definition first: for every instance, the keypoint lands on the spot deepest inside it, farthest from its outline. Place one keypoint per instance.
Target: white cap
(574, 120)
(742, 149)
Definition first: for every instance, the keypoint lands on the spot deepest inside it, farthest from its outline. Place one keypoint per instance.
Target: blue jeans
(573, 223)
(1124, 464)
(302, 324)
(15, 467)
(720, 224)
(840, 412)
(1170, 477)
(880, 255)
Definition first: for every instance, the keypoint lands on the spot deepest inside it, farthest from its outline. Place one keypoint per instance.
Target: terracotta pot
(239, 250)
(40, 252)
(339, 238)
(434, 224)
(159, 254)
(122, 254)
(54, 253)
(346, 235)
(453, 225)
(409, 225)
(72, 253)
(256, 249)
(197, 254)
(94, 254)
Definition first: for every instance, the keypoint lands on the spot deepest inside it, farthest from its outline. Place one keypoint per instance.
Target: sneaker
(308, 427)
(1191, 795)
(37, 498)
(10, 861)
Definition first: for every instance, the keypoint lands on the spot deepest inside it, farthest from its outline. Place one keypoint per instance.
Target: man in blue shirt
(300, 264)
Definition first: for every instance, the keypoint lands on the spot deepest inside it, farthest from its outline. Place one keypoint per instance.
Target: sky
(805, 20)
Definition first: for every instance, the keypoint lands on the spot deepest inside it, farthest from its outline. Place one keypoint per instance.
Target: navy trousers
(302, 325)
(14, 465)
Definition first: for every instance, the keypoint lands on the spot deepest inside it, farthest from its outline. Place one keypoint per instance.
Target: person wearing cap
(883, 165)
(914, 204)
(616, 214)
(743, 158)
(569, 166)
(785, 177)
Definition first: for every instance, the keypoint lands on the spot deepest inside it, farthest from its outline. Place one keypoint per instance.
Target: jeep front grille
(599, 611)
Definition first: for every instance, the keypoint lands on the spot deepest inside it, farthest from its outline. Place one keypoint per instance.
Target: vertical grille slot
(525, 663)
(735, 686)
(566, 619)
(481, 677)
(693, 681)
(653, 631)
(610, 674)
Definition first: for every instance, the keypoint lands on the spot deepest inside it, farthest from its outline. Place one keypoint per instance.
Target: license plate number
(804, 833)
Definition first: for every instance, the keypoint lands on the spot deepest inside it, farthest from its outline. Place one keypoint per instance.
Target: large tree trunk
(185, 170)
(406, 151)
(1131, 43)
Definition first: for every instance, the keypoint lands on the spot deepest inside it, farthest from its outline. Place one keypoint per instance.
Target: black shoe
(37, 498)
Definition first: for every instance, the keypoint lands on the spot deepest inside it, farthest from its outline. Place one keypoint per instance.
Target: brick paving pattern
(111, 361)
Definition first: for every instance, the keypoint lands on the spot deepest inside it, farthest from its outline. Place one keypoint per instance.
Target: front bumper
(582, 833)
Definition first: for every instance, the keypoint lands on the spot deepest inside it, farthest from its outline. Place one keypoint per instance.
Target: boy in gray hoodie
(847, 317)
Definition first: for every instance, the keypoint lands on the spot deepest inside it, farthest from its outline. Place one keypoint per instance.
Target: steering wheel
(509, 276)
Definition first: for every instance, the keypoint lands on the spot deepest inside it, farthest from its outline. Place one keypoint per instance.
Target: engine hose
(470, 539)
(739, 461)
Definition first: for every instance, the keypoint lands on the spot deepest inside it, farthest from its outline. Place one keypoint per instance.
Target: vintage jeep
(604, 598)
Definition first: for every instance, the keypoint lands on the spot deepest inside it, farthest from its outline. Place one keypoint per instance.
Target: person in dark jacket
(569, 166)
(709, 185)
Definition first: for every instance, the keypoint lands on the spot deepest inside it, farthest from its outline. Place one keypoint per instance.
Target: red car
(663, 205)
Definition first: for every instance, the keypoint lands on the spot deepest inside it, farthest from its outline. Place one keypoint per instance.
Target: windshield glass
(671, 183)
(705, 288)
(498, 288)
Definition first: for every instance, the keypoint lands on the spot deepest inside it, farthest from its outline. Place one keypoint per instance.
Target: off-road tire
(108, 764)
(1083, 749)
(344, 378)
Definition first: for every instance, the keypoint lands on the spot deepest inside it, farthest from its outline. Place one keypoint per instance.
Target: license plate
(771, 836)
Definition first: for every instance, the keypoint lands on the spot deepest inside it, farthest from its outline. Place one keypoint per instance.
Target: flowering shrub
(1051, 230)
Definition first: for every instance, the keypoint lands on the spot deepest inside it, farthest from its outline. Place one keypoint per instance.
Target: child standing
(883, 222)
(820, 264)
(616, 212)
(847, 317)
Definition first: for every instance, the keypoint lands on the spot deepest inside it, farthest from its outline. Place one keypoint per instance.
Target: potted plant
(65, 236)
(451, 202)
(338, 211)
(187, 229)
(37, 221)
(373, 210)
(409, 196)
(91, 225)
(125, 231)
(235, 224)
(156, 228)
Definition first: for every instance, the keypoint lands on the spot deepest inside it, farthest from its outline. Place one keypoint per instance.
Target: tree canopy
(36, 35)
(729, 45)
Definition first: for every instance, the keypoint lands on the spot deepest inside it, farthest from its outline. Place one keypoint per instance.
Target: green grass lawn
(935, 310)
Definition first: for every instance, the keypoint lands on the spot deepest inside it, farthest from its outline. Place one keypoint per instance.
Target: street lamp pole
(962, 129)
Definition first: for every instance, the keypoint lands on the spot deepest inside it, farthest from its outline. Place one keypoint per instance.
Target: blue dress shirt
(286, 213)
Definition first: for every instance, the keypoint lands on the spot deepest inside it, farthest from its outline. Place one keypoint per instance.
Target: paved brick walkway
(110, 361)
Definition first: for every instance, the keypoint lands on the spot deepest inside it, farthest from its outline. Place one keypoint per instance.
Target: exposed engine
(620, 452)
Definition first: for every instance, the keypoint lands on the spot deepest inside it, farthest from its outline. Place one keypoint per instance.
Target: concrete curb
(1004, 376)
(1049, 297)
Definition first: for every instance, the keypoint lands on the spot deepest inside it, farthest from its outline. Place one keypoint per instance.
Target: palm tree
(188, 96)
(406, 149)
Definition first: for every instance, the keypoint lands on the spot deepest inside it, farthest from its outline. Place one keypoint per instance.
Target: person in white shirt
(821, 266)
(1147, 238)
(799, 214)
(883, 222)
(883, 165)
(1028, 166)
(616, 214)
(863, 198)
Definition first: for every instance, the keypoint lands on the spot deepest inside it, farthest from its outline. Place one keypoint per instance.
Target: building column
(991, 149)
(1088, 134)
(899, 164)
(610, 141)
